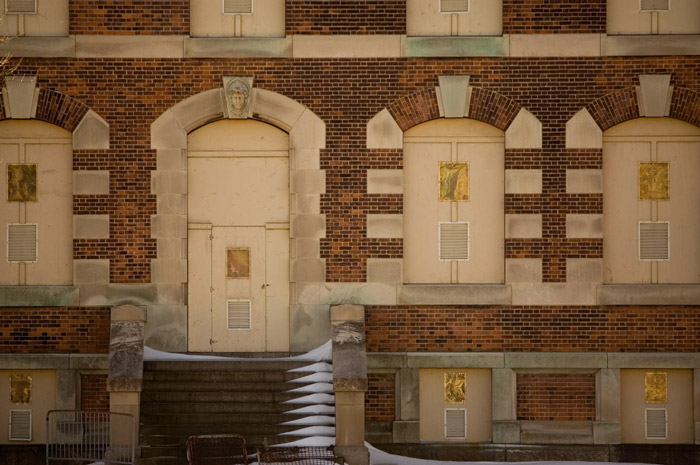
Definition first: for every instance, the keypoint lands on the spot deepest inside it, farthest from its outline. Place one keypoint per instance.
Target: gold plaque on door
(237, 263)
(455, 388)
(654, 181)
(454, 182)
(21, 183)
(20, 389)
(655, 387)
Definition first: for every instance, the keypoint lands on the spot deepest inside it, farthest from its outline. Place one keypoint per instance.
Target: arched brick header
(623, 105)
(485, 105)
(59, 109)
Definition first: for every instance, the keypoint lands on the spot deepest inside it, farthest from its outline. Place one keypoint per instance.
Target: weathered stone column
(126, 360)
(349, 382)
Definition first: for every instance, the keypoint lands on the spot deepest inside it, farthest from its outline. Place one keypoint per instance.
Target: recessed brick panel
(554, 16)
(380, 398)
(556, 397)
(93, 393)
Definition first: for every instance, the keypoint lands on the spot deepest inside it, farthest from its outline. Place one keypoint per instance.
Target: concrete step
(214, 407)
(217, 418)
(205, 384)
(166, 443)
(237, 376)
(216, 396)
(246, 365)
(186, 430)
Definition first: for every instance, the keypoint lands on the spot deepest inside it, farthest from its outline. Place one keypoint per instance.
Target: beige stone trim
(171, 159)
(383, 132)
(455, 360)
(281, 111)
(385, 181)
(171, 204)
(347, 313)
(307, 182)
(385, 270)
(654, 95)
(650, 45)
(129, 46)
(307, 270)
(525, 132)
(309, 204)
(552, 360)
(117, 294)
(346, 46)
(554, 293)
(311, 324)
(384, 225)
(168, 182)
(198, 110)
(90, 272)
(309, 226)
(90, 226)
(92, 133)
(453, 96)
(168, 270)
(523, 181)
(584, 270)
(168, 226)
(582, 132)
(523, 270)
(654, 360)
(40, 47)
(555, 45)
(166, 327)
(458, 294)
(648, 294)
(584, 181)
(20, 96)
(527, 226)
(93, 182)
(585, 226)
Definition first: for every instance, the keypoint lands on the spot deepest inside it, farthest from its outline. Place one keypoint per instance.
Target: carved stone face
(238, 98)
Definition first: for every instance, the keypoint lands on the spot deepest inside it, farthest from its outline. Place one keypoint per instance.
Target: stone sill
(38, 296)
(353, 46)
(454, 294)
(648, 294)
(556, 432)
(98, 363)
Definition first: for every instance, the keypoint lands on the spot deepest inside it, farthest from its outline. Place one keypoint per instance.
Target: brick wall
(93, 393)
(345, 93)
(559, 397)
(532, 329)
(554, 16)
(130, 17)
(380, 398)
(35, 330)
(345, 17)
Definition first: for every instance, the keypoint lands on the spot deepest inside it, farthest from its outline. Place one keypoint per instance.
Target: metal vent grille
(20, 425)
(20, 7)
(455, 423)
(454, 6)
(238, 314)
(654, 240)
(454, 241)
(656, 424)
(237, 7)
(654, 5)
(22, 242)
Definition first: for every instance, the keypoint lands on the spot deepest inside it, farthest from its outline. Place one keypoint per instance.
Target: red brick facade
(380, 398)
(554, 397)
(130, 17)
(93, 393)
(323, 17)
(61, 330)
(532, 329)
(553, 16)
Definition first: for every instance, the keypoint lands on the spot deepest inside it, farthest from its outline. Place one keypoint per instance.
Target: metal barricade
(280, 455)
(77, 436)
(217, 449)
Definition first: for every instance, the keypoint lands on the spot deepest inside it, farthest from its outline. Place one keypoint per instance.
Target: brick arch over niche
(307, 136)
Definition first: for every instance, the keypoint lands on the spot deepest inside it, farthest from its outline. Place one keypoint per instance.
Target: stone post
(126, 360)
(349, 382)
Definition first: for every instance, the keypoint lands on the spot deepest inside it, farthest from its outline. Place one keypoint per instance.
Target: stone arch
(307, 136)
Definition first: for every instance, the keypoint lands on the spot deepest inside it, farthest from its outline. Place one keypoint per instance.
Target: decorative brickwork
(685, 105)
(60, 109)
(415, 109)
(492, 108)
(557, 397)
(554, 16)
(130, 17)
(615, 108)
(37, 330)
(93, 393)
(322, 17)
(380, 398)
(532, 329)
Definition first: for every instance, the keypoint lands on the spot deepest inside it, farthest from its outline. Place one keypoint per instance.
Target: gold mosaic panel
(21, 183)
(654, 181)
(655, 387)
(455, 388)
(454, 182)
(237, 263)
(20, 389)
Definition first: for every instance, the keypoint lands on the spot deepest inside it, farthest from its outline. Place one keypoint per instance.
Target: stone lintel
(350, 384)
(38, 296)
(124, 384)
